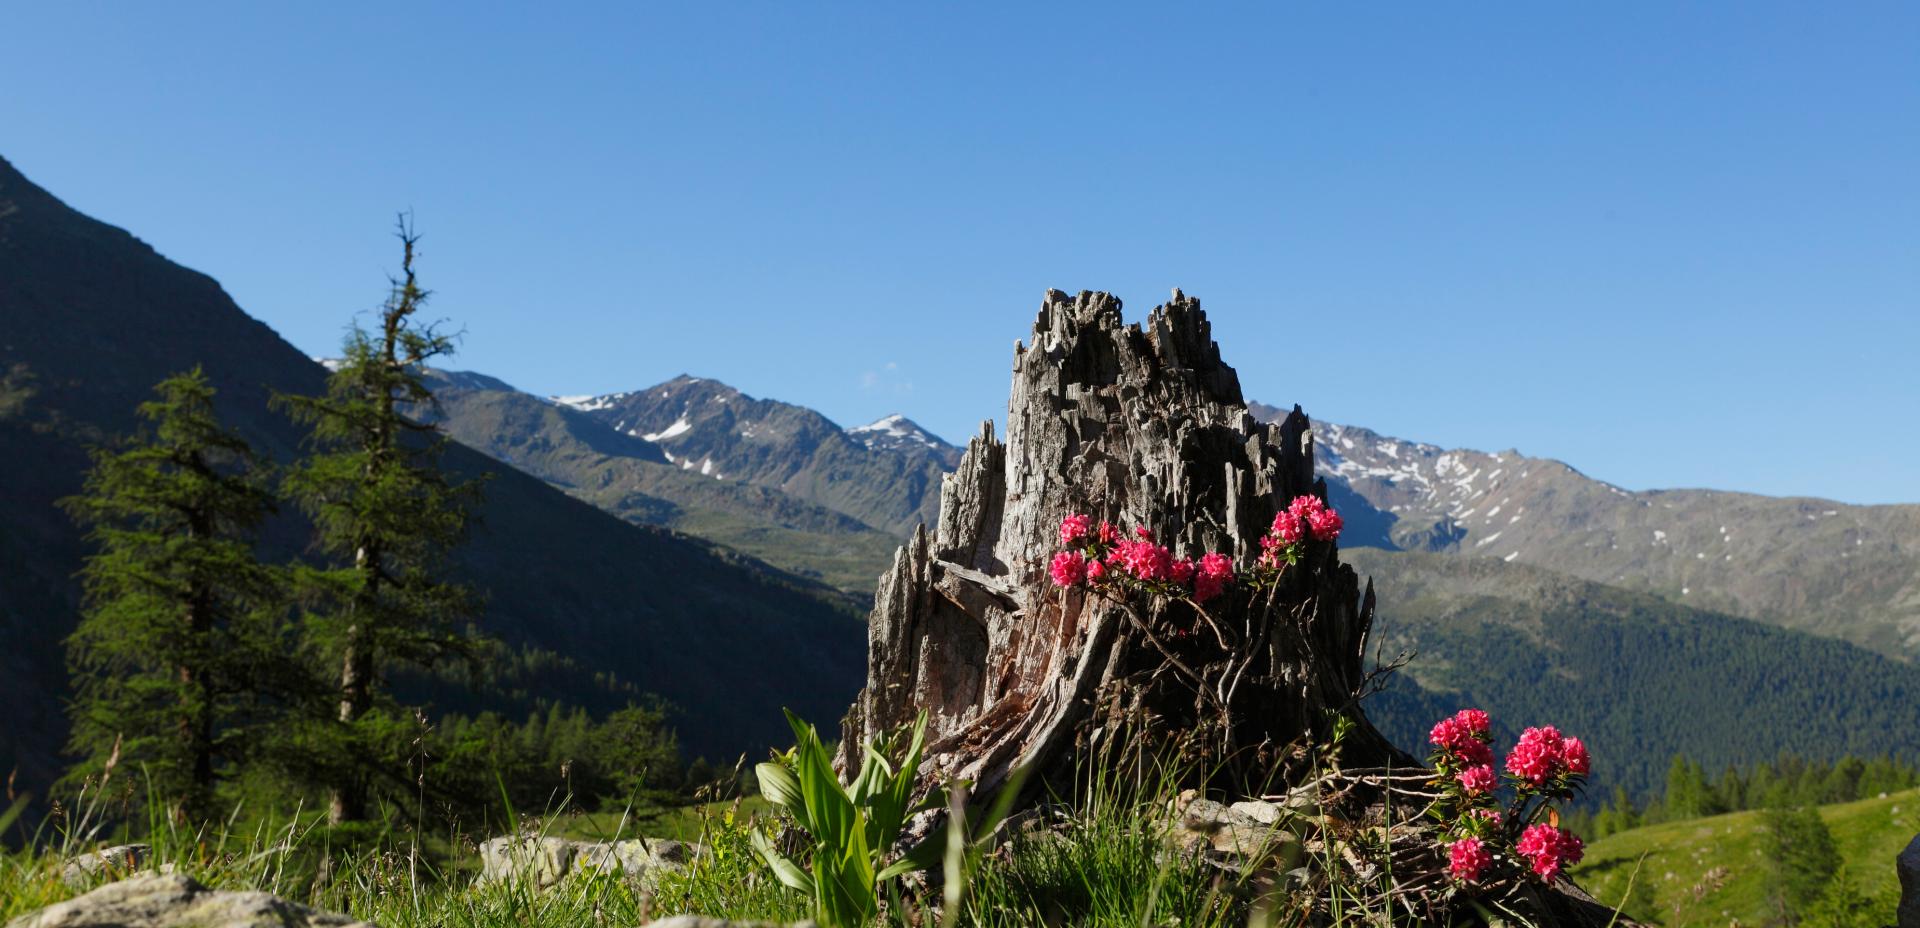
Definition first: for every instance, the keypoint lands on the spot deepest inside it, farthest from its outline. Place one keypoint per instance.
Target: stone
(545, 861)
(1244, 835)
(1908, 864)
(174, 901)
(108, 863)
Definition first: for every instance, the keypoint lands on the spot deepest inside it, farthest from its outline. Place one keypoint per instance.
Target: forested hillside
(1639, 677)
(91, 318)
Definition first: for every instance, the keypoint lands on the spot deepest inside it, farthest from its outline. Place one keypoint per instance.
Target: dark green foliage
(631, 755)
(181, 645)
(384, 515)
(1843, 904)
(1800, 850)
(1634, 676)
(16, 388)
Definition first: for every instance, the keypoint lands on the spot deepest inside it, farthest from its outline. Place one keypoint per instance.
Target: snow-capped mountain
(710, 428)
(900, 435)
(1846, 571)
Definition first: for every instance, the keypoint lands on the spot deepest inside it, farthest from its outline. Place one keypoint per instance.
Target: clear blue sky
(1672, 244)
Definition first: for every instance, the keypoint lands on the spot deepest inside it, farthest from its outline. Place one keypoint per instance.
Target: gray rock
(109, 863)
(1245, 834)
(1266, 813)
(547, 861)
(1909, 866)
(172, 901)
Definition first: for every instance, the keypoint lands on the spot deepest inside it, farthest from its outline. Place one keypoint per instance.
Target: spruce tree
(1799, 848)
(384, 514)
(179, 638)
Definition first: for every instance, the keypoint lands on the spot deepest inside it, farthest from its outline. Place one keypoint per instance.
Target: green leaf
(786, 871)
(778, 784)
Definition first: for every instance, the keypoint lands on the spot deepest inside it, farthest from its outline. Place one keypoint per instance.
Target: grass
(1107, 867)
(1712, 871)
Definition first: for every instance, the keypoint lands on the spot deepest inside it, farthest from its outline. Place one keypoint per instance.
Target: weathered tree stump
(1143, 426)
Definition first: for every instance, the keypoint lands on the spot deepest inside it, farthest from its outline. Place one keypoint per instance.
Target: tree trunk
(1143, 426)
(347, 801)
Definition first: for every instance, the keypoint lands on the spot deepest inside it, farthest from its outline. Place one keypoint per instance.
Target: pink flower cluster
(1097, 555)
(1543, 754)
(1478, 780)
(1545, 766)
(1466, 738)
(1467, 859)
(1549, 849)
(1306, 517)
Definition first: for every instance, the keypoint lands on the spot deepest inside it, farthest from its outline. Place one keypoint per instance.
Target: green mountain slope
(98, 317)
(1849, 572)
(1639, 677)
(1712, 871)
(630, 477)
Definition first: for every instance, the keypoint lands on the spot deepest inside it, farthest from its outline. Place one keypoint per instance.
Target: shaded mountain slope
(98, 317)
(631, 478)
(1640, 677)
(706, 427)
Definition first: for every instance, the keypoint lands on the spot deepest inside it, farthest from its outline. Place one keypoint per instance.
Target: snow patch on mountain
(891, 431)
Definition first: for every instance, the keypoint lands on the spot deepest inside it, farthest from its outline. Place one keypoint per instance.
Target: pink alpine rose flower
(1325, 524)
(1551, 850)
(1475, 720)
(1574, 754)
(1467, 859)
(1074, 529)
(1069, 568)
(1478, 780)
(1213, 574)
(1537, 757)
(1096, 571)
(1183, 570)
(1288, 528)
(1108, 533)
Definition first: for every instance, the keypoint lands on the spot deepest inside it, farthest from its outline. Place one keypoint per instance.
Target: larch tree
(181, 638)
(384, 514)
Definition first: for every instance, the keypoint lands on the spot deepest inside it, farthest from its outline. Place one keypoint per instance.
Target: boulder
(174, 901)
(110, 863)
(1908, 864)
(546, 861)
(1247, 834)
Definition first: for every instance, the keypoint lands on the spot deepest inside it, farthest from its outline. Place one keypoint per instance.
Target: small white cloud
(888, 379)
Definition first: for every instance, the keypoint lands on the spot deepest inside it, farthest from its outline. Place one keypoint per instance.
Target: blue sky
(1671, 244)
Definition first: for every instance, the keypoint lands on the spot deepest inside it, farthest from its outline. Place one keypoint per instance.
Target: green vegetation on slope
(1715, 871)
(1638, 677)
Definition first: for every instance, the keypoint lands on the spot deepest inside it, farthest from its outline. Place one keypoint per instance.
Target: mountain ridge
(1836, 569)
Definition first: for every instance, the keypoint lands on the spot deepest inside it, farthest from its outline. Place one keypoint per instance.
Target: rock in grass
(173, 901)
(546, 861)
(109, 863)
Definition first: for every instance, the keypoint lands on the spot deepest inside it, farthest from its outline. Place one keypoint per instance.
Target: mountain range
(91, 318)
(1838, 570)
(689, 540)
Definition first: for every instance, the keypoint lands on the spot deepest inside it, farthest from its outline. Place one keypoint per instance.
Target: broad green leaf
(778, 784)
(786, 871)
